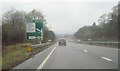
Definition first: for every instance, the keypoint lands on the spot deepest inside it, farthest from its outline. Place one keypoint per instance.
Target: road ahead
(73, 56)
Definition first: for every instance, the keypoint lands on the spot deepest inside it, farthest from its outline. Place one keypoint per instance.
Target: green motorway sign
(34, 29)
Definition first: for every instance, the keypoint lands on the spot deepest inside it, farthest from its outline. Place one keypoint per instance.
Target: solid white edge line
(45, 60)
(43, 51)
(107, 59)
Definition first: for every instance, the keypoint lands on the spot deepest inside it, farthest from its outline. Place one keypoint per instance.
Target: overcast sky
(64, 17)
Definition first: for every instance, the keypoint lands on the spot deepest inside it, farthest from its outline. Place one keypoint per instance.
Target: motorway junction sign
(34, 29)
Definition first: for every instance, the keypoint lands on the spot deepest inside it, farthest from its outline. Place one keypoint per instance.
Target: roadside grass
(15, 54)
(0, 57)
(0, 62)
(10, 57)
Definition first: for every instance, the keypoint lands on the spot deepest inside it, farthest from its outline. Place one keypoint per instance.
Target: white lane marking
(45, 60)
(85, 50)
(107, 59)
(38, 54)
(43, 51)
(29, 59)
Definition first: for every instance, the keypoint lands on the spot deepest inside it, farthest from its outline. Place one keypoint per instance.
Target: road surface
(73, 56)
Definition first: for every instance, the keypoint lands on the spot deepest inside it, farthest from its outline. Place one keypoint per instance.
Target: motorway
(73, 56)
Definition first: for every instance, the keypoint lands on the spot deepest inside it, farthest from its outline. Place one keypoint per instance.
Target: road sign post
(34, 30)
(40, 42)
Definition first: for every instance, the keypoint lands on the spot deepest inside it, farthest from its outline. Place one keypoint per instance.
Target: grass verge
(16, 54)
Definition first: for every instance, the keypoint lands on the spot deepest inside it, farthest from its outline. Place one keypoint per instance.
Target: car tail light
(65, 41)
(59, 41)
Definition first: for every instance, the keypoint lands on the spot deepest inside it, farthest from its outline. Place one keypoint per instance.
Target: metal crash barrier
(109, 44)
(37, 46)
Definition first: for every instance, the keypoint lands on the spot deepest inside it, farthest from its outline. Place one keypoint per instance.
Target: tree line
(13, 27)
(105, 30)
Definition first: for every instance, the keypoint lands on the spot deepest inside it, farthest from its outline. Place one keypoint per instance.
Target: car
(62, 42)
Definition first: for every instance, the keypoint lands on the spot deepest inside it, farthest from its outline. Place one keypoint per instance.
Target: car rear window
(62, 40)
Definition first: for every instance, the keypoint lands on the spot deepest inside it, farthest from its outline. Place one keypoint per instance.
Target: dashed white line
(85, 50)
(107, 59)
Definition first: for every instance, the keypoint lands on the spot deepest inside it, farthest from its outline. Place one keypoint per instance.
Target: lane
(44, 61)
(100, 51)
(73, 56)
(34, 62)
(79, 56)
